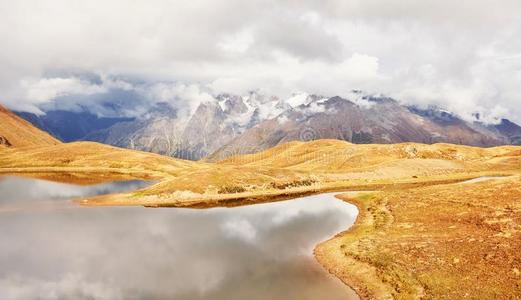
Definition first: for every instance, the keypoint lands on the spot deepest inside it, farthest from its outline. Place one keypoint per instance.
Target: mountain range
(233, 124)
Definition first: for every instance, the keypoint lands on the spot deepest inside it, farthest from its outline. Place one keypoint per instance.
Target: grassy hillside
(451, 241)
(284, 171)
(16, 132)
(340, 156)
(88, 162)
(299, 168)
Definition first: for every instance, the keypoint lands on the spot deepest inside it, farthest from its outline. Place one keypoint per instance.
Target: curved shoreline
(353, 255)
(320, 251)
(334, 254)
(430, 241)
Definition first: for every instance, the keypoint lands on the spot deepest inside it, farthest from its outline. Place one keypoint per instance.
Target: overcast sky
(462, 55)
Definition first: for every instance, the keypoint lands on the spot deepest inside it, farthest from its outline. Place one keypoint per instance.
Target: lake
(53, 249)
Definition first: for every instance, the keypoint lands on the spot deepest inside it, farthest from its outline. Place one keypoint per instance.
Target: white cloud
(236, 43)
(360, 67)
(46, 89)
(186, 97)
(239, 228)
(298, 99)
(282, 119)
(71, 284)
(463, 55)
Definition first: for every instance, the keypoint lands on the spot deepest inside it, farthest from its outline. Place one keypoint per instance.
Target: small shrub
(292, 184)
(66, 161)
(231, 190)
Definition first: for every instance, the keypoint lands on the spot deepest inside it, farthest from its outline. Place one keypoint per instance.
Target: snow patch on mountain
(299, 99)
(313, 108)
(361, 99)
(282, 119)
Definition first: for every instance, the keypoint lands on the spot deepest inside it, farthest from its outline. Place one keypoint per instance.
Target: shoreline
(320, 256)
(348, 274)
(430, 241)
(152, 200)
(345, 255)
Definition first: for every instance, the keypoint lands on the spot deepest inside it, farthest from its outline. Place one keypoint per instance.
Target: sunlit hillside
(311, 167)
(450, 241)
(87, 159)
(32, 152)
(16, 132)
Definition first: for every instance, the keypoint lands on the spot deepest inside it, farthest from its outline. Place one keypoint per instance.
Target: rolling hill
(297, 168)
(29, 151)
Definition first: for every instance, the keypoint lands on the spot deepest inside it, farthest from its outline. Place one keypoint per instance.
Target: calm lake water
(52, 249)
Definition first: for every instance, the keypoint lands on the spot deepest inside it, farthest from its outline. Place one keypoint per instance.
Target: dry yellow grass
(438, 242)
(298, 168)
(288, 170)
(91, 161)
(16, 132)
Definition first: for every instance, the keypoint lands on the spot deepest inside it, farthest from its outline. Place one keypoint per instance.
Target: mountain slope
(361, 120)
(227, 125)
(25, 149)
(70, 126)
(509, 129)
(505, 131)
(16, 132)
(164, 129)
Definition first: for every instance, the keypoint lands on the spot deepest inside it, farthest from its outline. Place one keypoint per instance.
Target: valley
(418, 233)
(260, 150)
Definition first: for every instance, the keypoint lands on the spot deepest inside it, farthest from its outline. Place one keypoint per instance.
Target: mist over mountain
(168, 129)
(364, 119)
(227, 124)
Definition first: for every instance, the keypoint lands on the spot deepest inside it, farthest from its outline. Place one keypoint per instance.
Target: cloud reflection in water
(254, 252)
